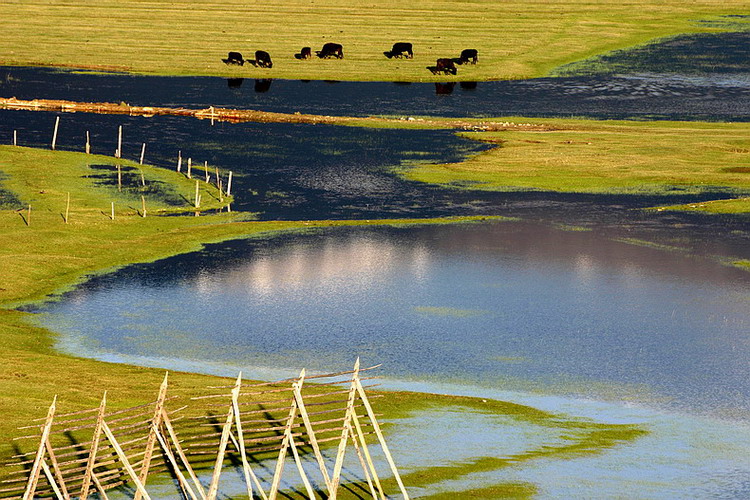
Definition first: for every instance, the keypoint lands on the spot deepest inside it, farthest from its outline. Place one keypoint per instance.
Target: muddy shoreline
(249, 115)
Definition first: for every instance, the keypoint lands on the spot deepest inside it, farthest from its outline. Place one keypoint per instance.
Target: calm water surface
(568, 322)
(490, 305)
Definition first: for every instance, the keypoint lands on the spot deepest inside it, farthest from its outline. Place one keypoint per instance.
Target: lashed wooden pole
(94, 449)
(381, 439)
(15, 138)
(208, 175)
(88, 143)
(213, 489)
(28, 217)
(143, 152)
(197, 195)
(54, 134)
(229, 184)
(247, 471)
(368, 457)
(37, 466)
(58, 473)
(155, 422)
(143, 206)
(311, 435)
(181, 454)
(189, 168)
(119, 178)
(179, 161)
(124, 459)
(285, 442)
(344, 435)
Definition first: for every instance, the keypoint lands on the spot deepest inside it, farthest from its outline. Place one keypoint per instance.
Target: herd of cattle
(336, 50)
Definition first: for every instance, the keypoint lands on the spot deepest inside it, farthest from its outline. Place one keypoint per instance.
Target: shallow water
(499, 304)
(641, 95)
(568, 322)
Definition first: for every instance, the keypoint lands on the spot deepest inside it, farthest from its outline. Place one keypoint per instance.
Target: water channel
(581, 323)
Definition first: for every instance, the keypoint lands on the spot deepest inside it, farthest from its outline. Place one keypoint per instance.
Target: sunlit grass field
(608, 157)
(515, 38)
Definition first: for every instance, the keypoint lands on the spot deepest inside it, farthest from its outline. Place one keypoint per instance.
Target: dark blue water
(722, 97)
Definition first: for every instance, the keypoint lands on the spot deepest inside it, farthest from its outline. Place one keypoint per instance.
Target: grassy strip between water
(43, 255)
(515, 39)
(609, 157)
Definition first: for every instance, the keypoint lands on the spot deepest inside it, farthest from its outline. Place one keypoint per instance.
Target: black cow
(400, 49)
(263, 59)
(331, 50)
(305, 53)
(468, 56)
(234, 58)
(446, 65)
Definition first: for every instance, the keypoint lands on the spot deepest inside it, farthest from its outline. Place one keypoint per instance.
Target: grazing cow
(331, 50)
(446, 65)
(263, 59)
(234, 58)
(468, 56)
(305, 53)
(400, 49)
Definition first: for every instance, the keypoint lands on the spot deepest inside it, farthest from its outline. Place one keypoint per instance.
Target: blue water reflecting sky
(495, 305)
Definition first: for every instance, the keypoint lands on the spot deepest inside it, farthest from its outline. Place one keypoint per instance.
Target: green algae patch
(509, 490)
(448, 311)
(558, 437)
(732, 206)
(606, 157)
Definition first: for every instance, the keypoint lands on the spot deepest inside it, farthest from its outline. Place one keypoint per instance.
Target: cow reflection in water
(235, 83)
(468, 85)
(263, 84)
(444, 88)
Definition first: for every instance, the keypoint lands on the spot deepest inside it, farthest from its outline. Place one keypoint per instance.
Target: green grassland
(616, 157)
(515, 38)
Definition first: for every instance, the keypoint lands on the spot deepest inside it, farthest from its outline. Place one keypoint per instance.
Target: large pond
(566, 321)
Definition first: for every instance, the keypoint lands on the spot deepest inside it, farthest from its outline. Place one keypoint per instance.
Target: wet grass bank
(609, 157)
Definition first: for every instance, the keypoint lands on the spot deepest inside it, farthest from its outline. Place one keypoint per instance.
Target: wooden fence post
(94, 449)
(379, 433)
(119, 142)
(37, 466)
(15, 137)
(88, 143)
(179, 161)
(344, 434)
(54, 134)
(189, 168)
(247, 471)
(229, 184)
(311, 435)
(143, 152)
(155, 421)
(67, 209)
(124, 459)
